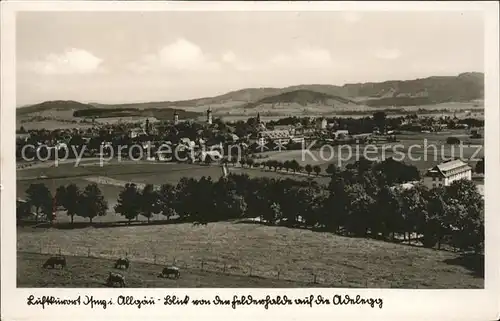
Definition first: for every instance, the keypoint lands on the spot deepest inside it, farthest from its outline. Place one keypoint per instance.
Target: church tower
(146, 126)
(209, 116)
(176, 117)
(258, 118)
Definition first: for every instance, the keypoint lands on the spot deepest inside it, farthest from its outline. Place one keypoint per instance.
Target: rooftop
(448, 168)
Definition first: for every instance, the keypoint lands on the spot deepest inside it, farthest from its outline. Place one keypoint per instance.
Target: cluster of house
(297, 133)
(432, 124)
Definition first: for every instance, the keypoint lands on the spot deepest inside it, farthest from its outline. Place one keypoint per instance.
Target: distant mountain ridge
(437, 89)
(431, 90)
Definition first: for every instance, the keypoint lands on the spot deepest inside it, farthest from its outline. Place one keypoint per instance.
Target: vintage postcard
(194, 160)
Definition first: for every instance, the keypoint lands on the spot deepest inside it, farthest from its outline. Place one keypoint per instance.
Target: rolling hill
(426, 91)
(302, 97)
(53, 105)
(68, 109)
(430, 90)
(302, 101)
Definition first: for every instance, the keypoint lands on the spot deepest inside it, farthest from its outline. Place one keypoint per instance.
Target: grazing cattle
(115, 278)
(122, 263)
(170, 270)
(55, 260)
(199, 223)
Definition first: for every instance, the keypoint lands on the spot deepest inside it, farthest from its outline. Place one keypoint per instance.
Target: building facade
(278, 136)
(446, 173)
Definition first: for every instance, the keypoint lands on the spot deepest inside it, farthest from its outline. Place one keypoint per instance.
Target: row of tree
(359, 201)
(288, 165)
(88, 203)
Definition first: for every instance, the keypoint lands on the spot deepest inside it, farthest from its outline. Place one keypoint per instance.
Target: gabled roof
(448, 168)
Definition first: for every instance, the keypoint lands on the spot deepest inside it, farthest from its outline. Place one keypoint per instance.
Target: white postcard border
(409, 304)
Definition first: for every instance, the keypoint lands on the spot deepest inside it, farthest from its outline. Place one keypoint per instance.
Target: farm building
(446, 173)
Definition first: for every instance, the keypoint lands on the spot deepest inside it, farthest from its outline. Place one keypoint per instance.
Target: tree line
(362, 200)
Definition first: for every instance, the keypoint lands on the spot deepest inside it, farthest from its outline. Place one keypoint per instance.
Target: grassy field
(245, 247)
(84, 272)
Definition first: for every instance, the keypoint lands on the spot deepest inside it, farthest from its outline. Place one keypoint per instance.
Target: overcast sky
(114, 57)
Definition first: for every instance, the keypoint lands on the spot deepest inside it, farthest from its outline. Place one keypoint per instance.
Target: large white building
(277, 136)
(446, 173)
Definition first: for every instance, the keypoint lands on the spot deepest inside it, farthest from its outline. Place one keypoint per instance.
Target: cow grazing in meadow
(53, 261)
(115, 279)
(122, 263)
(171, 270)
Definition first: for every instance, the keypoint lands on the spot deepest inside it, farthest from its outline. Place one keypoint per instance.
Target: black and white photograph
(255, 149)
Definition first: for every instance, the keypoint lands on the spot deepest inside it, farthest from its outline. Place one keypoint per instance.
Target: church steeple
(258, 118)
(209, 116)
(176, 117)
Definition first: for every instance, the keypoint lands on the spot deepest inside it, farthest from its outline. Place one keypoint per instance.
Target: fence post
(202, 264)
(41, 251)
(314, 278)
(154, 259)
(250, 273)
(88, 251)
(175, 259)
(366, 283)
(224, 270)
(279, 272)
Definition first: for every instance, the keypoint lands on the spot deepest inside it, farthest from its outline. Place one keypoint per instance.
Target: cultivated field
(244, 249)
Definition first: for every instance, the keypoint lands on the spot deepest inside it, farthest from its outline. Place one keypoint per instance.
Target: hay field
(336, 260)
